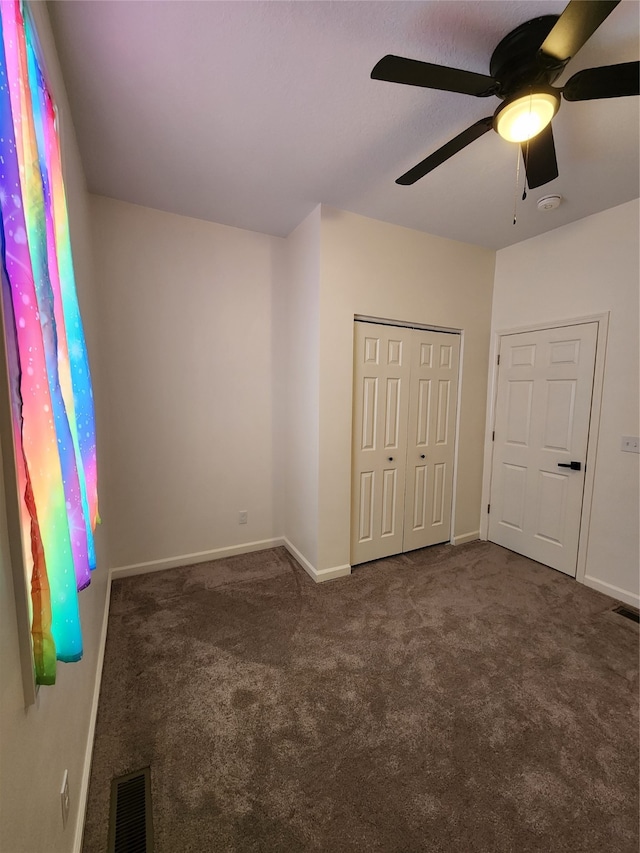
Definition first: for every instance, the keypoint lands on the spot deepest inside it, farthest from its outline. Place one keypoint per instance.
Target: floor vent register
(130, 825)
(627, 612)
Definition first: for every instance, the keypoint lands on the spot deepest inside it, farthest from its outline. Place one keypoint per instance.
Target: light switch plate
(630, 444)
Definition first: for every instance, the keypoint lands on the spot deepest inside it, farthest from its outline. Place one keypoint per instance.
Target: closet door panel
(382, 365)
(431, 435)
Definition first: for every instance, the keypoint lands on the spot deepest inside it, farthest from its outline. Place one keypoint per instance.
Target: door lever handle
(575, 466)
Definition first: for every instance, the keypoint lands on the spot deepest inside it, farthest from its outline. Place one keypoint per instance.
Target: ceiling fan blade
(574, 27)
(412, 72)
(540, 161)
(452, 147)
(608, 81)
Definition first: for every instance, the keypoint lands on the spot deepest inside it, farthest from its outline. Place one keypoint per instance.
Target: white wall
(38, 744)
(589, 267)
(381, 270)
(186, 313)
(297, 296)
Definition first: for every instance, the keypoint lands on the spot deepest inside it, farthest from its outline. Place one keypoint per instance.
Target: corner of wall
(298, 391)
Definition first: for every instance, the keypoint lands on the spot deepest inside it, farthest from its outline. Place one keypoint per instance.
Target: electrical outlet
(630, 444)
(243, 517)
(64, 798)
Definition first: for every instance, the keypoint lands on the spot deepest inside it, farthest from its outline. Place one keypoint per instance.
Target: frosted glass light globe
(524, 117)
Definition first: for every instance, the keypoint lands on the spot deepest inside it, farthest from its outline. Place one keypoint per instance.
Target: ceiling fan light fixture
(526, 115)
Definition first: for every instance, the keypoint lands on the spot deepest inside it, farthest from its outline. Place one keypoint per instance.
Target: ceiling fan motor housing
(517, 63)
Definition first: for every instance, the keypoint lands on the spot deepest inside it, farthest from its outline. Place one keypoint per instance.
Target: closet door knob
(422, 456)
(391, 459)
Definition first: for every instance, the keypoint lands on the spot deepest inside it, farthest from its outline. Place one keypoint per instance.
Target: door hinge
(488, 508)
(493, 435)
(498, 358)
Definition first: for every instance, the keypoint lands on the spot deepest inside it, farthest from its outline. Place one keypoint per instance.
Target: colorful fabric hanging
(50, 383)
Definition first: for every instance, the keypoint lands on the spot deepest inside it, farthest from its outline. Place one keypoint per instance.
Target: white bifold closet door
(405, 393)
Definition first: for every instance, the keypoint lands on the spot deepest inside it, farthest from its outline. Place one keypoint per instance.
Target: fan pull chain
(526, 162)
(525, 155)
(515, 195)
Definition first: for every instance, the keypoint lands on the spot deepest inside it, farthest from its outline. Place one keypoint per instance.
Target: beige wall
(38, 744)
(236, 393)
(186, 321)
(386, 271)
(589, 267)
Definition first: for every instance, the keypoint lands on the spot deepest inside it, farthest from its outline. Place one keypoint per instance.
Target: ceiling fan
(522, 68)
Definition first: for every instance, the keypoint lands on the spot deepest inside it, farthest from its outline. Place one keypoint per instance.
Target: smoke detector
(549, 202)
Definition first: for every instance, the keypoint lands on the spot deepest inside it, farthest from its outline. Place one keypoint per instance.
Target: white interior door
(405, 393)
(545, 384)
(430, 438)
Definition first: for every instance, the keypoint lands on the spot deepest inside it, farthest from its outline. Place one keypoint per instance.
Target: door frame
(602, 321)
(427, 327)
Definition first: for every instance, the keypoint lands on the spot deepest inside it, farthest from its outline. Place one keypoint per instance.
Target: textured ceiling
(252, 113)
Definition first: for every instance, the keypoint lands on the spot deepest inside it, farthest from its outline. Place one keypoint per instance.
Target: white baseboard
(465, 537)
(88, 753)
(191, 559)
(300, 558)
(332, 573)
(613, 591)
(318, 575)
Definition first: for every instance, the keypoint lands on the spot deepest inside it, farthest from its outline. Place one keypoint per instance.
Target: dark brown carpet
(451, 699)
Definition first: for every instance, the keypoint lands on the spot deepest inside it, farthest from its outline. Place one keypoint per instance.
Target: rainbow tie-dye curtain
(50, 384)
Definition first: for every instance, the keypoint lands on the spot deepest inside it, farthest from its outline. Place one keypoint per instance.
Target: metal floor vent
(130, 826)
(625, 611)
